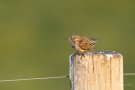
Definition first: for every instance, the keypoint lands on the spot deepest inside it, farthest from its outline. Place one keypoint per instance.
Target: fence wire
(45, 78)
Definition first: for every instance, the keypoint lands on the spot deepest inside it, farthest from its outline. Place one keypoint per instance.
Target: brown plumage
(81, 43)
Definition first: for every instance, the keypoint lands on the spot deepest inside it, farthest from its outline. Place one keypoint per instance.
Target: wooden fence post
(96, 71)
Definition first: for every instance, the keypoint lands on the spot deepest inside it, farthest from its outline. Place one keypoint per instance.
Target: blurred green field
(32, 36)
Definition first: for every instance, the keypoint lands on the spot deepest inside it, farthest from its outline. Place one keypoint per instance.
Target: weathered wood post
(96, 71)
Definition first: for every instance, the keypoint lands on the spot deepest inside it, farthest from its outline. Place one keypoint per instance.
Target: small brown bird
(81, 43)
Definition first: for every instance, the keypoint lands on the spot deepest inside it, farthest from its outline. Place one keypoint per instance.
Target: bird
(82, 43)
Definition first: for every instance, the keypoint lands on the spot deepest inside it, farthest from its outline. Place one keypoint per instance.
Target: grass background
(32, 36)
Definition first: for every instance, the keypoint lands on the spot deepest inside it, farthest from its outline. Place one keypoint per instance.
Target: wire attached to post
(26, 79)
(45, 78)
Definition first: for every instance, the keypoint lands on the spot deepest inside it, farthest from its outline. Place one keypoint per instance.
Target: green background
(32, 38)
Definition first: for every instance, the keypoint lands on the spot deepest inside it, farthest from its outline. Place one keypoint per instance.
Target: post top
(106, 53)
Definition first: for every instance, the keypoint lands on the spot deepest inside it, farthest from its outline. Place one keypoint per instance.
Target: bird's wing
(93, 40)
(84, 44)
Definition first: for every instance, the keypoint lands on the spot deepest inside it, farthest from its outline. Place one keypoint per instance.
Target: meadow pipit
(81, 43)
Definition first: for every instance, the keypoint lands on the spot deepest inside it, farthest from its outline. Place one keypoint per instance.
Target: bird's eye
(70, 38)
(91, 43)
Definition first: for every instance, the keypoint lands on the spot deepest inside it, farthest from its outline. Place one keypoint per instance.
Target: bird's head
(74, 38)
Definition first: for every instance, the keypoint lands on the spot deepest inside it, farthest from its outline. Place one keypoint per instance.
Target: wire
(129, 74)
(45, 78)
(26, 79)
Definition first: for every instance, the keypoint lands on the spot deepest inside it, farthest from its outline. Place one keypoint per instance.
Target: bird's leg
(80, 54)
